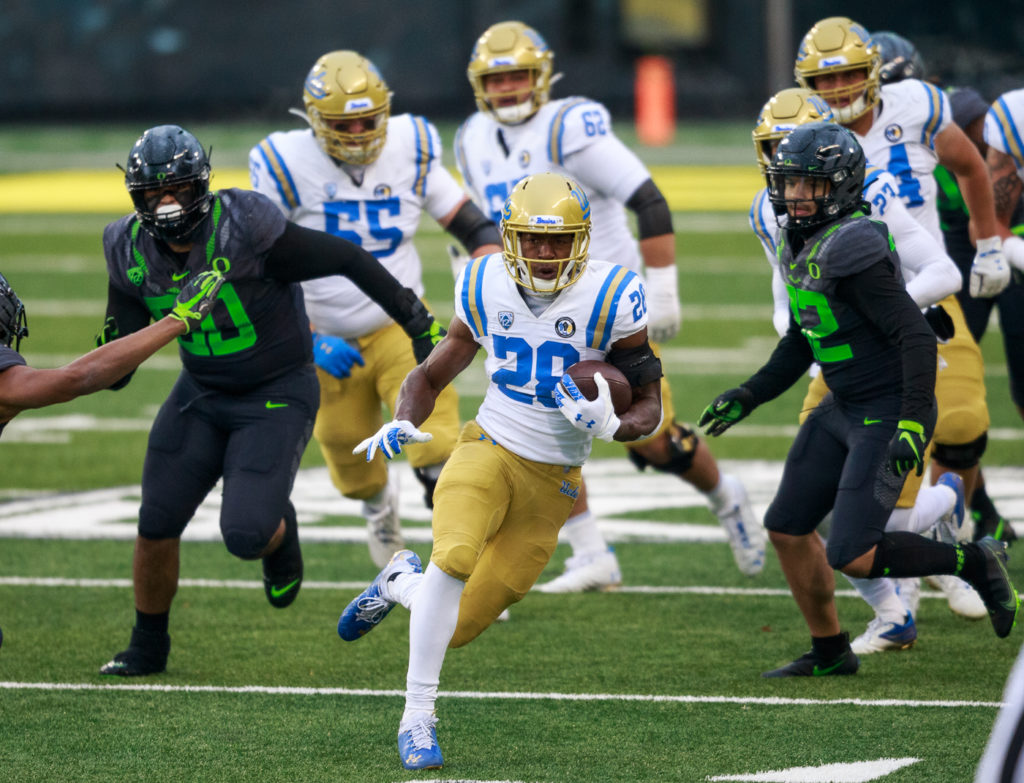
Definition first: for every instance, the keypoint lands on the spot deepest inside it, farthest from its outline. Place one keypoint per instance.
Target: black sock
(152, 623)
(828, 648)
(909, 554)
(971, 562)
(982, 505)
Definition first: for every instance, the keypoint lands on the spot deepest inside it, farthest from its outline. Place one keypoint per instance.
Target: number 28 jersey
(527, 353)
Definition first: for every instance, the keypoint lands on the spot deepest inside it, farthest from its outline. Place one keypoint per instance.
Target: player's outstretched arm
(425, 382)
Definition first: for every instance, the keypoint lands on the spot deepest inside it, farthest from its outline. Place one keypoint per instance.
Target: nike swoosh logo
(271, 405)
(869, 422)
(277, 592)
(179, 277)
(818, 672)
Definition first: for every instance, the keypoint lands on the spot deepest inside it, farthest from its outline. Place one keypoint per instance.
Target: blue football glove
(595, 417)
(906, 449)
(390, 438)
(727, 409)
(334, 355)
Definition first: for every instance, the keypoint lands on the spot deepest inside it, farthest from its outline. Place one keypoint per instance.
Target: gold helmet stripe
(599, 329)
(935, 117)
(280, 174)
(472, 290)
(424, 153)
(557, 128)
(1007, 129)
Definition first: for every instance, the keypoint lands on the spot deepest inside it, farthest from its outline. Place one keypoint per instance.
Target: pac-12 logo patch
(506, 318)
(893, 133)
(565, 327)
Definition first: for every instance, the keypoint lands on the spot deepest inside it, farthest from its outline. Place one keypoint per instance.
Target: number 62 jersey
(527, 353)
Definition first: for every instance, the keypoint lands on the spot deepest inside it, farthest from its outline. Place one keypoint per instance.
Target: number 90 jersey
(902, 141)
(381, 213)
(527, 354)
(570, 136)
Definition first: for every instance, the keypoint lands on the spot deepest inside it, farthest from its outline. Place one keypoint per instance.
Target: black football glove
(107, 332)
(727, 409)
(423, 343)
(906, 449)
(940, 322)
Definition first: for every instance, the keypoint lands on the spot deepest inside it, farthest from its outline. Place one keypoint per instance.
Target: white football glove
(1013, 250)
(390, 438)
(595, 417)
(664, 317)
(990, 273)
(458, 260)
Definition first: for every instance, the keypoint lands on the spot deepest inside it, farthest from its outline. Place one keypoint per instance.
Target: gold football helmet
(546, 204)
(783, 112)
(348, 104)
(511, 46)
(834, 45)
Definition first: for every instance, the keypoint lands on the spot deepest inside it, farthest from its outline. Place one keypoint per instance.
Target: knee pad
(682, 446)
(963, 456)
(245, 544)
(457, 560)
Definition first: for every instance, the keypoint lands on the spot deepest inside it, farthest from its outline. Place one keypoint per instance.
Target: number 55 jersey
(528, 352)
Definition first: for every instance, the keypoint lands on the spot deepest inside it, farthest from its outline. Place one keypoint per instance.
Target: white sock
(932, 503)
(880, 595)
(435, 614)
(583, 534)
(403, 589)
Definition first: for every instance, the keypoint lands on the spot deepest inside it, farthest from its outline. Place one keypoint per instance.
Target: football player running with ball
(362, 174)
(242, 408)
(509, 486)
(518, 131)
(851, 313)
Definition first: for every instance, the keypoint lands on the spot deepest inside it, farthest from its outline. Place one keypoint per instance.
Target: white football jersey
(1004, 127)
(902, 141)
(381, 214)
(527, 353)
(571, 136)
(928, 272)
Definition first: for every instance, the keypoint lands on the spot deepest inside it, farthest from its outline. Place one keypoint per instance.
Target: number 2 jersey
(257, 329)
(571, 136)
(380, 213)
(527, 354)
(851, 314)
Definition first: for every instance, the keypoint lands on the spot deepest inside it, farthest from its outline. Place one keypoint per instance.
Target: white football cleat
(744, 529)
(882, 634)
(384, 526)
(598, 571)
(962, 598)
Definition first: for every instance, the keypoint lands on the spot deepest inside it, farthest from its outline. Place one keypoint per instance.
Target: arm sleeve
(878, 295)
(788, 362)
(304, 254)
(653, 216)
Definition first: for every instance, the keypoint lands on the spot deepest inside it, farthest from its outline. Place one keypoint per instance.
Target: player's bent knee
(676, 453)
(458, 560)
(963, 456)
(155, 523)
(246, 543)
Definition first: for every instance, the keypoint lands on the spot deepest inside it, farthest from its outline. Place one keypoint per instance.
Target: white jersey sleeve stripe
(757, 222)
(472, 295)
(934, 121)
(602, 318)
(424, 154)
(1008, 130)
(557, 128)
(280, 174)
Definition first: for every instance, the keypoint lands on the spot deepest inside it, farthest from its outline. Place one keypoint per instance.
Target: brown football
(582, 374)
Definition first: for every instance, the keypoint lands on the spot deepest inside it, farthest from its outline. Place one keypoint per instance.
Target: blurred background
(149, 61)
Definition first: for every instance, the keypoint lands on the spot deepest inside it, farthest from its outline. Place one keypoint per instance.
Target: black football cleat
(811, 665)
(146, 654)
(282, 568)
(995, 587)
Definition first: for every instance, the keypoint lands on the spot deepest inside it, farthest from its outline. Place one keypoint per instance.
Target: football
(582, 374)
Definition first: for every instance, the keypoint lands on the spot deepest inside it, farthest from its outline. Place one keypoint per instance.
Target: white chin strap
(849, 113)
(515, 114)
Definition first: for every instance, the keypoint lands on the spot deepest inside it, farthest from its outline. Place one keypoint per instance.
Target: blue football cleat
(950, 525)
(417, 743)
(368, 608)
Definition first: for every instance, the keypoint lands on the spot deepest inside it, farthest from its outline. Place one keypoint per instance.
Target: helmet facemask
(510, 47)
(13, 321)
(344, 89)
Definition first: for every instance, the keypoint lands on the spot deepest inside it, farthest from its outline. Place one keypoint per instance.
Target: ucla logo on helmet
(498, 62)
(315, 83)
(506, 319)
(546, 220)
(355, 104)
(828, 62)
(893, 133)
(565, 327)
(783, 127)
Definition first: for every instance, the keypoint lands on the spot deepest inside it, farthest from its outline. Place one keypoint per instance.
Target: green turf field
(658, 682)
